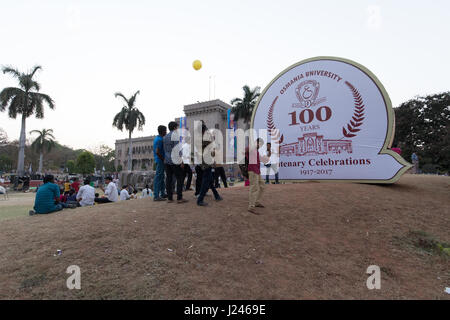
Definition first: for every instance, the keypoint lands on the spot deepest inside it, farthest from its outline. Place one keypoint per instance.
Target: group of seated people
(49, 197)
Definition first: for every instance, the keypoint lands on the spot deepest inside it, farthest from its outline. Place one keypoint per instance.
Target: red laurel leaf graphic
(274, 132)
(348, 135)
(358, 114)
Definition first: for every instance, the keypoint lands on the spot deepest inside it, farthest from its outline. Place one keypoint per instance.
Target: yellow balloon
(197, 65)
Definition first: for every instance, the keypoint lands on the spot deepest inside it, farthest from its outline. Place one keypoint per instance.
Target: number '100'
(307, 115)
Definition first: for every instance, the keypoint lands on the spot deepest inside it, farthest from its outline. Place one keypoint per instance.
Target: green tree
(6, 163)
(422, 125)
(71, 166)
(129, 117)
(26, 101)
(85, 163)
(104, 157)
(243, 107)
(45, 141)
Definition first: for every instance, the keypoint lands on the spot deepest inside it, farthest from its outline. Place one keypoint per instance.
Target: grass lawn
(17, 205)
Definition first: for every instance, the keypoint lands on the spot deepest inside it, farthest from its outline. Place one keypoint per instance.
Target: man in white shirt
(124, 195)
(86, 194)
(186, 153)
(111, 194)
(272, 165)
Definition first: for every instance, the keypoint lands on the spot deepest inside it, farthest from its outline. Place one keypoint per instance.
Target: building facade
(141, 150)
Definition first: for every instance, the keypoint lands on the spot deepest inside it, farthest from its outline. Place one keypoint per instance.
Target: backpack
(244, 167)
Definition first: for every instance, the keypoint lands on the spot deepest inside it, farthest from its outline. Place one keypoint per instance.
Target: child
(124, 195)
(72, 198)
(147, 192)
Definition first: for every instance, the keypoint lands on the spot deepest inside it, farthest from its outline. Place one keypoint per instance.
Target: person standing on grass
(254, 175)
(186, 150)
(198, 167)
(111, 193)
(158, 154)
(47, 197)
(207, 175)
(171, 167)
(415, 161)
(219, 172)
(86, 194)
(198, 179)
(272, 164)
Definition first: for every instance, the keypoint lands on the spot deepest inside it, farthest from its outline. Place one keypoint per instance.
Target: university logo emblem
(307, 93)
(347, 138)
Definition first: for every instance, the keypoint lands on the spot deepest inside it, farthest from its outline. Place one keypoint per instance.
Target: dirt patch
(312, 241)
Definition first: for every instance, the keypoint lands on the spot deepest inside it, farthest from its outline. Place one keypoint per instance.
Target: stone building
(142, 153)
(213, 113)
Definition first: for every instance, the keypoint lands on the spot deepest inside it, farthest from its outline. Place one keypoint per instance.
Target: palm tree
(243, 108)
(44, 142)
(130, 117)
(25, 100)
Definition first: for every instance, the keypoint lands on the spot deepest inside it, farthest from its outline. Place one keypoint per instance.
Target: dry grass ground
(312, 241)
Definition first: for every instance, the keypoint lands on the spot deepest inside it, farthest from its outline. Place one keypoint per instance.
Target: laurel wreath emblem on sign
(274, 132)
(358, 115)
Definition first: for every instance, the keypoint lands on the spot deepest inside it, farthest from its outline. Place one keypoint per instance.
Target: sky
(91, 49)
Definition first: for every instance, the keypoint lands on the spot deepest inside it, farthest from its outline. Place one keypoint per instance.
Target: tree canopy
(243, 107)
(85, 163)
(422, 125)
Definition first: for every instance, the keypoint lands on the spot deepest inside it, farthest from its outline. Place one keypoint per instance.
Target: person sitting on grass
(134, 195)
(147, 192)
(124, 195)
(47, 197)
(72, 198)
(111, 193)
(63, 196)
(86, 195)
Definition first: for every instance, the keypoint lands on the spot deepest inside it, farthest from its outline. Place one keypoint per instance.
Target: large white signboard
(330, 119)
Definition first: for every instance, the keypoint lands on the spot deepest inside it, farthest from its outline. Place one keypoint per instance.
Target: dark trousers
(220, 172)
(102, 200)
(188, 173)
(198, 181)
(207, 183)
(171, 170)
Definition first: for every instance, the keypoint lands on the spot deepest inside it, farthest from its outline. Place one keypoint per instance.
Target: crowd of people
(170, 174)
(172, 177)
(207, 174)
(51, 197)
